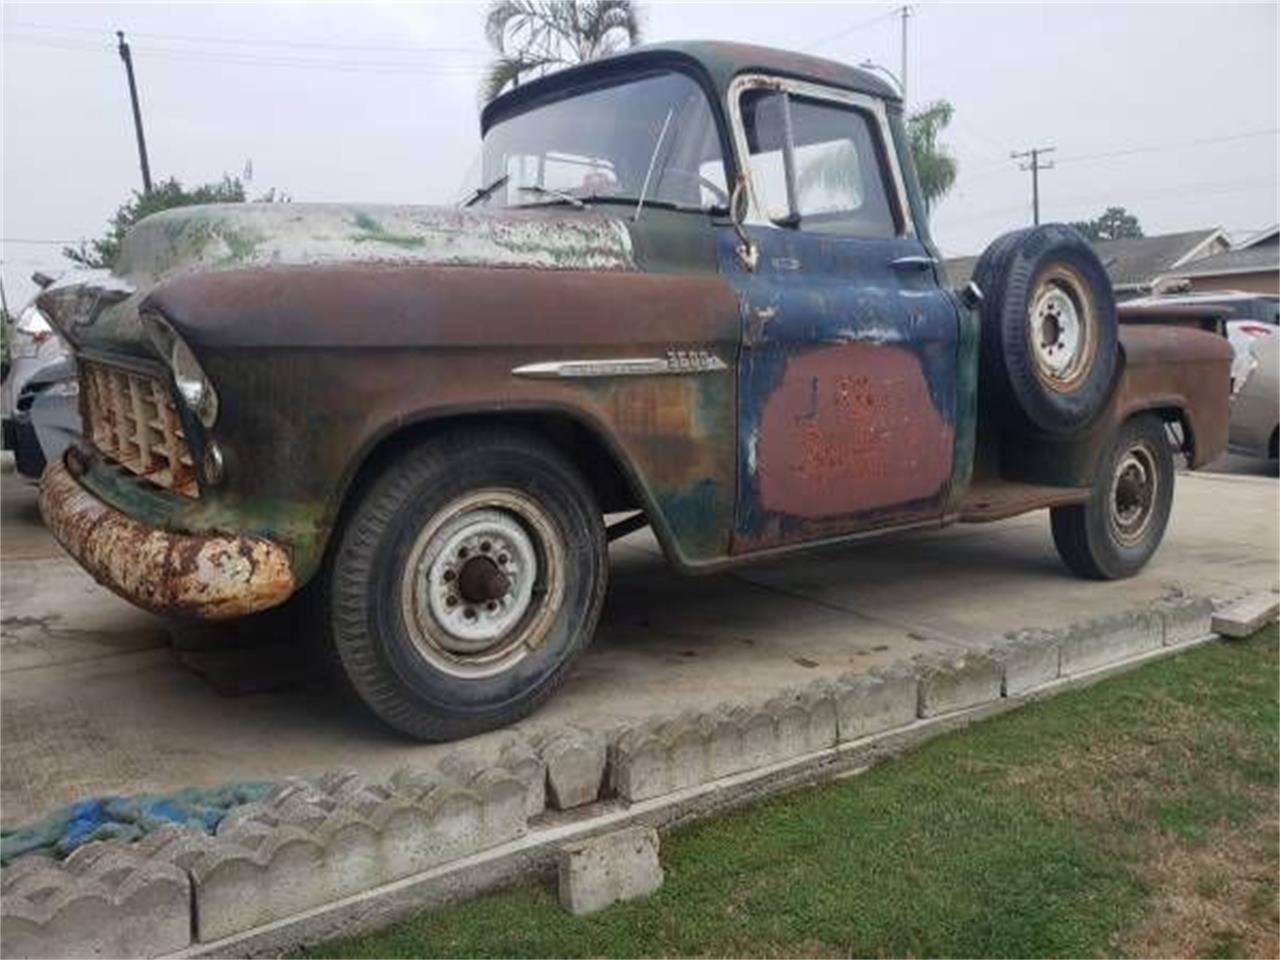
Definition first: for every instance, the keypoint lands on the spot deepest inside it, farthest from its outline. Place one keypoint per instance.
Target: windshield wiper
(557, 194)
(485, 192)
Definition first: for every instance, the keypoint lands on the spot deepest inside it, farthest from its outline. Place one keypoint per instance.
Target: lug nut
(503, 559)
(449, 576)
(451, 601)
(469, 613)
(485, 546)
(463, 553)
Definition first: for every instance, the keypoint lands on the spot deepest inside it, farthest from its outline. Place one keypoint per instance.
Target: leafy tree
(163, 196)
(935, 166)
(533, 37)
(837, 170)
(1116, 223)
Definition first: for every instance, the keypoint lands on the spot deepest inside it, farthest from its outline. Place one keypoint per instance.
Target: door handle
(913, 263)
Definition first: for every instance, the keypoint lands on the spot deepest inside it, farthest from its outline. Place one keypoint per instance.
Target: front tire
(466, 582)
(1114, 533)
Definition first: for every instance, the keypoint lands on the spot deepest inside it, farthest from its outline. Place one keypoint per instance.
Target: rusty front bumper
(212, 577)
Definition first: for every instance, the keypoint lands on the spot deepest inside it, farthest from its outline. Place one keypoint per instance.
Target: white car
(34, 347)
(1255, 405)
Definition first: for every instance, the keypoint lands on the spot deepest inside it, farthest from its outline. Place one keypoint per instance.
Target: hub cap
(1133, 493)
(483, 583)
(1060, 331)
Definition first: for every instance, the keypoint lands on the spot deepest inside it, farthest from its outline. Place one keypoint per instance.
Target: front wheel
(468, 579)
(1114, 533)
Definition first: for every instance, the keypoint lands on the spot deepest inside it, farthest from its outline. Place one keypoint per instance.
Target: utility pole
(1031, 161)
(905, 13)
(123, 49)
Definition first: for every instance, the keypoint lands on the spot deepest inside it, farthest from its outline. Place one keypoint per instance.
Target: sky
(1169, 110)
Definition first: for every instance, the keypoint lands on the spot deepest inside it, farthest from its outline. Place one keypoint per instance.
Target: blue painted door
(847, 376)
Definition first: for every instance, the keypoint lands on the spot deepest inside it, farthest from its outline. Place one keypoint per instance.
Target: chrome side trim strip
(676, 361)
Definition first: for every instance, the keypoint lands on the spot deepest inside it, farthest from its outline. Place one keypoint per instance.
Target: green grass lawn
(1138, 817)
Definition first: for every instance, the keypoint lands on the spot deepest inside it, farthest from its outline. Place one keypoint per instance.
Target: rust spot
(851, 429)
(213, 577)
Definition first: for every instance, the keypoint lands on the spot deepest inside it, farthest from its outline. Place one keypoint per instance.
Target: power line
(247, 41)
(206, 56)
(36, 241)
(853, 28)
(1202, 188)
(1156, 148)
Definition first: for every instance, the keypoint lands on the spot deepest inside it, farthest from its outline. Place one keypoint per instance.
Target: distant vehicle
(46, 417)
(1255, 407)
(34, 347)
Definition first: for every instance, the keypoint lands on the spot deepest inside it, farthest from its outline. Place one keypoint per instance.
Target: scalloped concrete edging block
(1185, 618)
(657, 758)
(575, 764)
(306, 845)
(1030, 658)
(873, 702)
(957, 682)
(608, 869)
(1096, 643)
(105, 900)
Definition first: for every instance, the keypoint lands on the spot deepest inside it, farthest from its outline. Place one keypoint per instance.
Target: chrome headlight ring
(193, 384)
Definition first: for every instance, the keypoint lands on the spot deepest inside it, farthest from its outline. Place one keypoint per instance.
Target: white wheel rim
(1058, 338)
(1134, 488)
(483, 582)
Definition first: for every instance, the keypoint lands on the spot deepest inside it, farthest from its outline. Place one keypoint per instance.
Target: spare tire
(1049, 340)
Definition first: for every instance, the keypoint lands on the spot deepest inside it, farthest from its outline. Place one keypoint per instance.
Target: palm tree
(935, 166)
(533, 37)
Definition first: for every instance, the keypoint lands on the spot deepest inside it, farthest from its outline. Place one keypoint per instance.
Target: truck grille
(133, 421)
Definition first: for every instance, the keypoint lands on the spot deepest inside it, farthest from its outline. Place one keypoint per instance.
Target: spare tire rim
(1061, 325)
(1133, 493)
(483, 583)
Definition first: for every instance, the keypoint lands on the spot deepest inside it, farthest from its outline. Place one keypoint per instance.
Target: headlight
(189, 377)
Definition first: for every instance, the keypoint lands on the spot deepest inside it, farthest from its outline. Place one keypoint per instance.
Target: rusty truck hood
(177, 245)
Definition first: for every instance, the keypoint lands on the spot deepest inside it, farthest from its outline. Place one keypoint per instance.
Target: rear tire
(1115, 532)
(466, 582)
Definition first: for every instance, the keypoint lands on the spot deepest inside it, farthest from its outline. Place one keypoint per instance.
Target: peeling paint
(219, 236)
(214, 577)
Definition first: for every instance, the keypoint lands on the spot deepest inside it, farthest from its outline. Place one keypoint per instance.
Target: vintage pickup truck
(696, 288)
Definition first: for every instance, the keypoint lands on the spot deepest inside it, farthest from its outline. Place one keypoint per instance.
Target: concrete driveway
(98, 698)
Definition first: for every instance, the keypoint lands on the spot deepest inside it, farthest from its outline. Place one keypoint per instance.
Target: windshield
(653, 138)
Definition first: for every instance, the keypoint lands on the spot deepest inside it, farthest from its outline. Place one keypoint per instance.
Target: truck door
(847, 377)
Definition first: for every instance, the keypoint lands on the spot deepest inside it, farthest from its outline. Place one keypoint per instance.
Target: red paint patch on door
(851, 429)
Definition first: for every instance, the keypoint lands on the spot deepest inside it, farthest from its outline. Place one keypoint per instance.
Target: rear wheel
(469, 578)
(1114, 533)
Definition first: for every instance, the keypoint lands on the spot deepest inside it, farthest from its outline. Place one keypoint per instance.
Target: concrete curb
(338, 855)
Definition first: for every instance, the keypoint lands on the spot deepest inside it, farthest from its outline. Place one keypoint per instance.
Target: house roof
(719, 62)
(1131, 263)
(1268, 237)
(1255, 259)
(1135, 262)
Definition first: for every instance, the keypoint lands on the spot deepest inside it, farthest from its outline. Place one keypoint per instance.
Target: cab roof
(717, 62)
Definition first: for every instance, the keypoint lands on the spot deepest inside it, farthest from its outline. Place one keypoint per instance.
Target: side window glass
(815, 166)
(764, 122)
